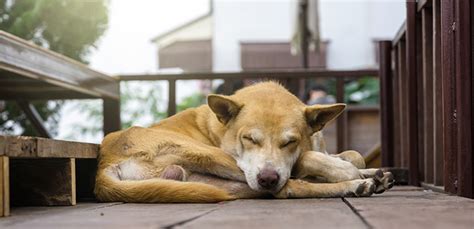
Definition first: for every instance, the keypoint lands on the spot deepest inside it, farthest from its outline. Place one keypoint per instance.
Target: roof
(183, 26)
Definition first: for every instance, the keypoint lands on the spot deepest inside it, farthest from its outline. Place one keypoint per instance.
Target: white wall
(350, 26)
(246, 20)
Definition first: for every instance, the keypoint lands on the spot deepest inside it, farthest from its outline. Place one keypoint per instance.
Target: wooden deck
(402, 207)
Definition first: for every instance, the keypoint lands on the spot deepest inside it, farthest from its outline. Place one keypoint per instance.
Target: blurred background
(120, 37)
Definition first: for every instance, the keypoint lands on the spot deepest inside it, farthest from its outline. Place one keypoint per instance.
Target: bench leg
(4, 187)
(43, 182)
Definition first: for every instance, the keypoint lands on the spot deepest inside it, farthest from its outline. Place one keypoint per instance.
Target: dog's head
(265, 128)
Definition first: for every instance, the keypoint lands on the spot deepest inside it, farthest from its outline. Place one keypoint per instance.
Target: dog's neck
(208, 123)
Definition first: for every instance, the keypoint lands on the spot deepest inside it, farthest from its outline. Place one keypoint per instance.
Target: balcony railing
(342, 138)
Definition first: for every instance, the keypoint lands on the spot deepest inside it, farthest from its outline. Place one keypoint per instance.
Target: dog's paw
(174, 172)
(362, 187)
(383, 181)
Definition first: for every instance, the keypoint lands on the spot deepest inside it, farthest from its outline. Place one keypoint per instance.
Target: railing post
(111, 112)
(412, 138)
(386, 103)
(438, 94)
(464, 95)
(448, 84)
(171, 97)
(428, 96)
(341, 123)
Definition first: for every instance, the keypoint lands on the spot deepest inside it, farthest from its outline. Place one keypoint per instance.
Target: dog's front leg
(304, 189)
(339, 168)
(201, 158)
(332, 169)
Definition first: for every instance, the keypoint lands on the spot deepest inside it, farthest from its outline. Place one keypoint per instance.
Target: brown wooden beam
(111, 111)
(420, 97)
(29, 60)
(464, 95)
(428, 93)
(270, 74)
(412, 77)
(400, 34)
(172, 97)
(341, 123)
(396, 108)
(34, 117)
(386, 102)
(403, 102)
(35, 147)
(422, 4)
(4, 186)
(438, 96)
(448, 85)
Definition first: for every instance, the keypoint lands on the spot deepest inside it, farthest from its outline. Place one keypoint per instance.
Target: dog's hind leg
(111, 188)
(353, 157)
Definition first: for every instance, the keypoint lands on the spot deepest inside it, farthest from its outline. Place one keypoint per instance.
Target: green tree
(69, 27)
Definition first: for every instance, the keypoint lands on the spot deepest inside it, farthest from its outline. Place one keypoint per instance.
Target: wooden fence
(426, 95)
(342, 127)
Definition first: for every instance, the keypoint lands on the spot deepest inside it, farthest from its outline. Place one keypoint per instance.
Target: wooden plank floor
(402, 207)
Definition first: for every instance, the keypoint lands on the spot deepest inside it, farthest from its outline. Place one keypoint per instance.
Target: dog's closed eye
(250, 139)
(288, 143)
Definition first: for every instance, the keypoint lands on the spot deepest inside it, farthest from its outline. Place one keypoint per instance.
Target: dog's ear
(318, 116)
(224, 107)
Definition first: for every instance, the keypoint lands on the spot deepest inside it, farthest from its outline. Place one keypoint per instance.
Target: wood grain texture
(34, 147)
(396, 109)
(303, 213)
(26, 59)
(402, 92)
(386, 103)
(412, 95)
(415, 208)
(428, 93)
(464, 91)
(438, 96)
(274, 74)
(401, 207)
(43, 182)
(448, 88)
(4, 187)
(420, 96)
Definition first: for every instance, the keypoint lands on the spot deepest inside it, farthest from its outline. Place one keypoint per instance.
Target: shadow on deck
(402, 207)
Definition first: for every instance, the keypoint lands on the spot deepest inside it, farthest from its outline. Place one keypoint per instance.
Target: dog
(260, 142)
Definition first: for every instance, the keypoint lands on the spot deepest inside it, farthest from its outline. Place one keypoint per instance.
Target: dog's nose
(268, 178)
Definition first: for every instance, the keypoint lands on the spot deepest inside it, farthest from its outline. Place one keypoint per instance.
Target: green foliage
(69, 27)
(194, 100)
(364, 91)
(140, 105)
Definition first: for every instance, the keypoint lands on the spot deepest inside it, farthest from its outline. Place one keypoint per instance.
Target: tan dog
(259, 141)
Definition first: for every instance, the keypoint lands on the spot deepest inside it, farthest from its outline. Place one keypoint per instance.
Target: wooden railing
(426, 95)
(228, 77)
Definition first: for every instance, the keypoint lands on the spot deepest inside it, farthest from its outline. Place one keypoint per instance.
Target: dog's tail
(109, 188)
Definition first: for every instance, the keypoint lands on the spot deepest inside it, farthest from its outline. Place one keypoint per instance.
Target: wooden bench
(44, 172)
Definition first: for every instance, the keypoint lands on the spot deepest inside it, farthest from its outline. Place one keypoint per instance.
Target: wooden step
(42, 172)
